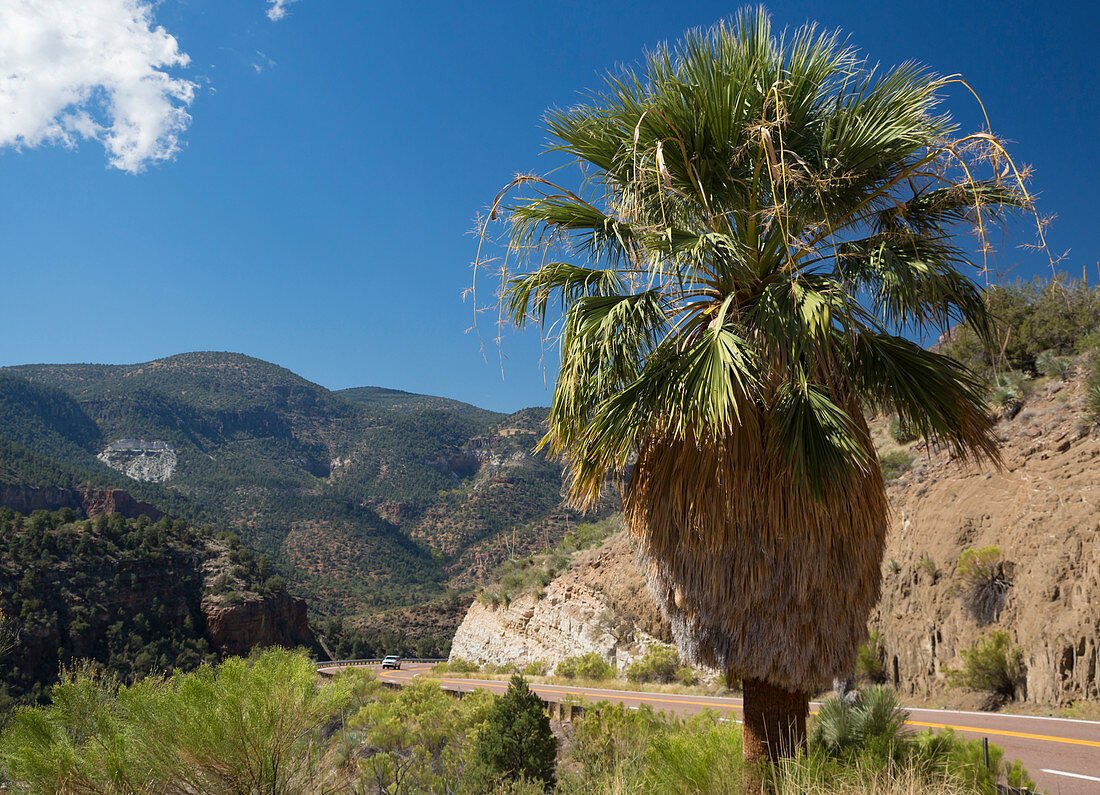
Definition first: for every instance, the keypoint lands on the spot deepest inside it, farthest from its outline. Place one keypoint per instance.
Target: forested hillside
(365, 500)
(130, 595)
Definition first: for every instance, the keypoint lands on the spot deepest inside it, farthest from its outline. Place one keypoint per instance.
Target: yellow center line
(696, 703)
(1004, 733)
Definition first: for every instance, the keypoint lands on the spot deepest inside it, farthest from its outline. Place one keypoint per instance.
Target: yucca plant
(761, 217)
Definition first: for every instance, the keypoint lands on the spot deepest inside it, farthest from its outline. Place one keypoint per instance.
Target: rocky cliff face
(27, 499)
(139, 459)
(267, 620)
(600, 605)
(1042, 510)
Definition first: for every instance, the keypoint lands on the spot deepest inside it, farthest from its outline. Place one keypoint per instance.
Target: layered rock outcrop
(601, 605)
(139, 459)
(267, 620)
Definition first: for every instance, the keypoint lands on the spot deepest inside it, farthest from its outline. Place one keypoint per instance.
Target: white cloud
(92, 69)
(263, 63)
(278, 9)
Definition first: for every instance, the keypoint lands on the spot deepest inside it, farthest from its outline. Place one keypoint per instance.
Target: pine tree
(516, 739)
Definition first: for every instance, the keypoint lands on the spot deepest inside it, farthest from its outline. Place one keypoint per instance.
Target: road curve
(1062, 755)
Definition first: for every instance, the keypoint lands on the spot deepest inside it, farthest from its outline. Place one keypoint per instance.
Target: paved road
(1063, 756)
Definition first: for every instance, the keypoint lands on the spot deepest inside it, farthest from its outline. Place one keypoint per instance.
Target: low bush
(1092, 402)
(871, 659)
(702, 757)
(1054, 366)
(873, 720)
(992, 665)
(536, 668)
(978, 564)
(1058, 315)
(1092, 387)
(685, 675)
(901, 432)
(895, 463)
(415, 739)
(245, 726)
(854, 749)
(983, 582)
(585, 666)
(928, 567)
(658, 664)
(458, 665)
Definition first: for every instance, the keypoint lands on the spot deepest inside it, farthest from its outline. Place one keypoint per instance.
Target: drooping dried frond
(754, 576)
(763, 219)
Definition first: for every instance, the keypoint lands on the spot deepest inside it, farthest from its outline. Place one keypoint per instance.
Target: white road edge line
(1071, 775)
(1000, 715)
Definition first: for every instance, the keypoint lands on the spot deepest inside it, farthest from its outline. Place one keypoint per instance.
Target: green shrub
(983, 581)
(1005, 396)
(1054, 366)
(992, 665)
(901, 432)
(874, 721)
(1092, 402)
(928, 567)
(1056, 315)
(1092, 386)
(658, 664)
(458, 665)
(536, 668)
(515, 740)
(703, 757)
(585, 666)
(616, 750)
(242, 727)
(976, 565)
(964, 760)
(894, 464)
(685, 675)
(610, 738)
(414, 739)
(871, 659)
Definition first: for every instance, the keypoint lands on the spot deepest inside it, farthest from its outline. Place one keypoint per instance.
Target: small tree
(516, 740)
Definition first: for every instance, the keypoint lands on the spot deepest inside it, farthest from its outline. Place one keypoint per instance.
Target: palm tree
(762, 221)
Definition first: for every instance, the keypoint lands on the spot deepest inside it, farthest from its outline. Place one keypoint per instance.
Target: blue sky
(317, 210)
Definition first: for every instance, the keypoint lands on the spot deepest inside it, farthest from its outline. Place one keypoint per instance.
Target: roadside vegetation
(991, 665)
(660, 669)
(532, 573)
(267, 724)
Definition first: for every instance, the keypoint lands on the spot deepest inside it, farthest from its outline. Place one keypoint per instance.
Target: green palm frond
(528, 294)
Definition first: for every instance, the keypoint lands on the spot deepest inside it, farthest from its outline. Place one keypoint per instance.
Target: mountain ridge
(365, 499)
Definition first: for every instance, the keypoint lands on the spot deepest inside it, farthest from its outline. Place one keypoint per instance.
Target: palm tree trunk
(775, 721)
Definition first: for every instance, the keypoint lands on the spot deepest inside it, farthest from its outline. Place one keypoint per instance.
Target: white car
(392, 661)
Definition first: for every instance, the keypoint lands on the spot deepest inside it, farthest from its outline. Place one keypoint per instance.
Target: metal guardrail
(377, 661)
